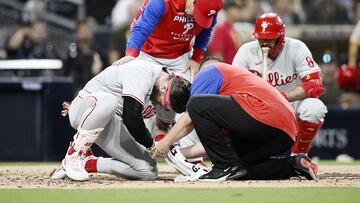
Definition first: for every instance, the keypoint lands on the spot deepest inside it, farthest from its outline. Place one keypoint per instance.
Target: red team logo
(188, 32)
(148, 111)
(276, 79)
(310, 61)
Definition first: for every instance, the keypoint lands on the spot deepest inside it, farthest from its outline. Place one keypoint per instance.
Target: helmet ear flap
(280, 41)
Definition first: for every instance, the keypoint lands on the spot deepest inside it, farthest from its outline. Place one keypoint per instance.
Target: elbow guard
(312, 85)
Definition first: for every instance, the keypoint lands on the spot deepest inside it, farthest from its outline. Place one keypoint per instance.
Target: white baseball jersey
(135, 79)
(285, 73)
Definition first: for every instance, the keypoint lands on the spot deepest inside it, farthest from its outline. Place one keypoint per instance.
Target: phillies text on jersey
(285, 73)
(161, 29)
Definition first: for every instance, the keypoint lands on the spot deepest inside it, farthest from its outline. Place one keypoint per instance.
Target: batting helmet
(270, 26)
(348, 78)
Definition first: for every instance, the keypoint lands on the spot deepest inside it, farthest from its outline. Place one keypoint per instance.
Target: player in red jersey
(173, 33)
(162, 32)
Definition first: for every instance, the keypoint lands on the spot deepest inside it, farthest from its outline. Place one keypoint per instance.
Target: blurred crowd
(90, 50)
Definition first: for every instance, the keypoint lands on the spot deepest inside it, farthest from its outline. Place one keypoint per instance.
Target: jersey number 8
(310, 61)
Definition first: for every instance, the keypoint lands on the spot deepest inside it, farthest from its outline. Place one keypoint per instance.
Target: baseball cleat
(198, 171)
(181, 178)
(74, 166)
(229, 173)
(304, 167)
(177, 160)
(58, 174)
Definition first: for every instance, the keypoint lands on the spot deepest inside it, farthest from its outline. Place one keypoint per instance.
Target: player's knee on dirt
(312, 110)
(146, 171)
(150, 173)
(138, 170)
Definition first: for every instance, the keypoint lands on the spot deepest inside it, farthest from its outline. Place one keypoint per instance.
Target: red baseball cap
(205, 10)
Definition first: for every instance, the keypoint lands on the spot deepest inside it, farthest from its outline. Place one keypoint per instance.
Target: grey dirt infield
(37, 176)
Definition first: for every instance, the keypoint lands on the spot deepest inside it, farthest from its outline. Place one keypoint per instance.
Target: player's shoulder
(252, 45)
(157, 5)
(141, 63)
(248, 49)
(158, 2)
(206, 72)
(142, 66)
(293, 43)
(210, 68)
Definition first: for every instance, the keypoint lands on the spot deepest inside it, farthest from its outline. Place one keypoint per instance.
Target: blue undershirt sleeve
(207, 81)
(147, 22)
(203, 38)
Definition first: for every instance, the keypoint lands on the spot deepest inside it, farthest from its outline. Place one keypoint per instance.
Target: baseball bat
(265, 51)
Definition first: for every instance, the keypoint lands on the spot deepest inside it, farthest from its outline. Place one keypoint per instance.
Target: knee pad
(307, 132)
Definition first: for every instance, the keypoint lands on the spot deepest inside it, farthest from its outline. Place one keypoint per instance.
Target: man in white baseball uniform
(110, 112)
(291, 70)
(162, 33)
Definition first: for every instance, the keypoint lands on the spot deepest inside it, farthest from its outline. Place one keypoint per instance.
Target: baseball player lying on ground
(109, 111)
(242, 122)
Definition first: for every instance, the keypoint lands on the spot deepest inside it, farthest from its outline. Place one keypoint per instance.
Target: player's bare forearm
(296, 94)
(194, 68)
(17, 39)
(163, 126)
(353, 52)
(182, 127)
(194, 151)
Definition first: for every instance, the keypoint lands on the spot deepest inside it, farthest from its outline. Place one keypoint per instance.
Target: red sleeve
(217, 43)
(198, 55)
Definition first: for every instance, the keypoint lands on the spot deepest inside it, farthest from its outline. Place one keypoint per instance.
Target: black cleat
(304, 167)
(229, 173)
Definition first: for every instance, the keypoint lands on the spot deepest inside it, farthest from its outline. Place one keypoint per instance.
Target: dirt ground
(38, 177)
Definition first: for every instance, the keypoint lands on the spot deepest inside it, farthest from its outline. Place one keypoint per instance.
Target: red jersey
(257, 97)
(224, 42)
(161, 29)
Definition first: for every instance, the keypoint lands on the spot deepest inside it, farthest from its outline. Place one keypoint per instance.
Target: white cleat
(199, 171)
(189, 171)
(74, 166)
(59, 173)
